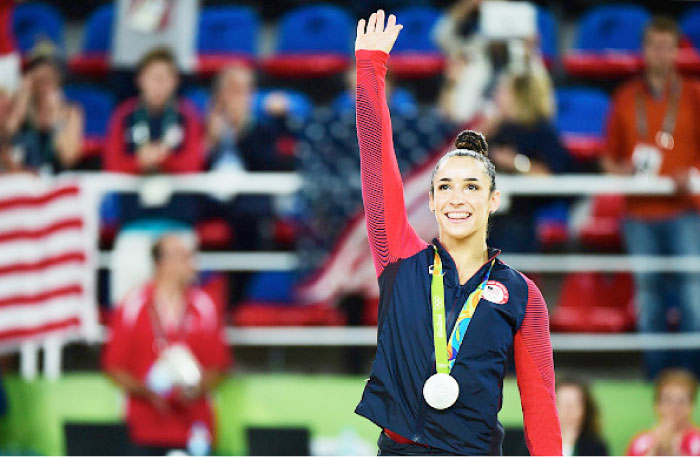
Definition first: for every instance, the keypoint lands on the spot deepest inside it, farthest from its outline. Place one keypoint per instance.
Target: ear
(431, 201)
(494, 201)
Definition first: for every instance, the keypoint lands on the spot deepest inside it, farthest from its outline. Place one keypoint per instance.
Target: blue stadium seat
(608, 42)
(689, 56)
(313, 40)
(300, 104)
(581, 114)
(199, 96)
(93, 58)
(35, 21)
(415, 54)
(227, 34)
(97, 105)
(548, 35)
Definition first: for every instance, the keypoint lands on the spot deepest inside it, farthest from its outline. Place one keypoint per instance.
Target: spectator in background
(652, 131)
(523, 141)
(235, 137)
(675, 392)
(475, 62)
(578, 416)
(46, 129)
(9, 57)
(240, 139)
(156, 132)
(166, 349)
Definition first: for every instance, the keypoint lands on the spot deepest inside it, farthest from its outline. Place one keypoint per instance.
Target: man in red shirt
(166, 349)
(653, 130)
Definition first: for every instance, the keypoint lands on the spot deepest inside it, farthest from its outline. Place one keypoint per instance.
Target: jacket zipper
(421, 413)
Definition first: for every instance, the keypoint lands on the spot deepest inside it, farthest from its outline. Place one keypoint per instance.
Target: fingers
(380, 21)
(360, 27)
(371, 24)
(391, 22)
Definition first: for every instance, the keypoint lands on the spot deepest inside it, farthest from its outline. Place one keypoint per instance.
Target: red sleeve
(189, 158)
(534, 368)
(390, 235)
(117, 159)
(116, 353)
(212, 350)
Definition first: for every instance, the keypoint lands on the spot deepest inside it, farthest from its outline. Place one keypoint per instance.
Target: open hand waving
(377, 37)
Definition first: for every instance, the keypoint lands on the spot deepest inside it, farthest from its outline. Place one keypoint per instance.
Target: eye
(473, 187)
(443, 187)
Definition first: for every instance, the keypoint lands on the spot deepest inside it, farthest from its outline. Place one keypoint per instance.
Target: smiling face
(461, 198)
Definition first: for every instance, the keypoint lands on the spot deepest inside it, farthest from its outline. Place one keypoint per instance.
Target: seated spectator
(475, 62)
(166, 350)
(675, 392)
(523, 141)
(235, 138)
(652, 131)
(157, 131)
(578, 415)
(47, 130)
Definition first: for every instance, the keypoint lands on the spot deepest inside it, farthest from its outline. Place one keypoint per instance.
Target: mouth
(458, 217)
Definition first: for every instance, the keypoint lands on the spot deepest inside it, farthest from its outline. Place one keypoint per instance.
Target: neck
(169, 291)
(570, 433)
(658, 79)
(469, 254)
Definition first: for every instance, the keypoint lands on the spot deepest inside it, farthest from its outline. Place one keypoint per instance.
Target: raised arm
(390, 235)
(534, 368)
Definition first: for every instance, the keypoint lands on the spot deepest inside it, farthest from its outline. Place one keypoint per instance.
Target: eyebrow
(466, 179)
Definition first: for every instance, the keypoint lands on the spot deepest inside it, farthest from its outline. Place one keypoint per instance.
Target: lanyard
(160, 336)
(664, 137)
(445, 355)
(141, 130)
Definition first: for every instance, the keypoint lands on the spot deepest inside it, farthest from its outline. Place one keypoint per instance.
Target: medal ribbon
(669, 123)
(446, 353)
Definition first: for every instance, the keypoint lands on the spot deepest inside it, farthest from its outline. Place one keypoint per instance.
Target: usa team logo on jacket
(495, 292)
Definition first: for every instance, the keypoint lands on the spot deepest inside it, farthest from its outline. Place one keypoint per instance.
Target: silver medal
(441, 391)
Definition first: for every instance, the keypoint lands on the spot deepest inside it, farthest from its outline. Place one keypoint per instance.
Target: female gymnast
(450, 312)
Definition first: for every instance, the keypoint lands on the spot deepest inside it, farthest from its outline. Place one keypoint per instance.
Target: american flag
(350, 267)
(47, 254)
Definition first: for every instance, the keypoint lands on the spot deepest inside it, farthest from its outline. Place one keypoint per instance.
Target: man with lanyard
(166, 350)
(653, 131)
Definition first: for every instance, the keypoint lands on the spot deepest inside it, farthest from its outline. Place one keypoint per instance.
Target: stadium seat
(595, 302)
(602, 230)
(93, 59)
(414, 54)
(689, 55)
(313, 41)
(548, 35)
(552, 224)
(227, 34)
(608, 42)
(199, 96)
(35, 21)
(97, 105)
(400, 101)
(581, 114)
(214, 233)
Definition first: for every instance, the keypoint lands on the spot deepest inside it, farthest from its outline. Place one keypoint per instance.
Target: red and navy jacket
(513, 320)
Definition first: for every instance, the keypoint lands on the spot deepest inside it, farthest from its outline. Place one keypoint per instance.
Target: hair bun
(472, 140)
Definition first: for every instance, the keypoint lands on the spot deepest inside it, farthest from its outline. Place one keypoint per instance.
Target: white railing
(229, 184)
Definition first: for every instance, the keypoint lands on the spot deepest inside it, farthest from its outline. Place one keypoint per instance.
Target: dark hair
(469, 143)
(676, 377)
(663, 24)
(590, 424)
(157, 250)
(158, 54)
(44, 53)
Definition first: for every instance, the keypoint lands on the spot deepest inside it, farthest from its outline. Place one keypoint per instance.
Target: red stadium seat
(214, 233)
(583, 147)
(603, 229)
(595, 302)
(273, 314)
